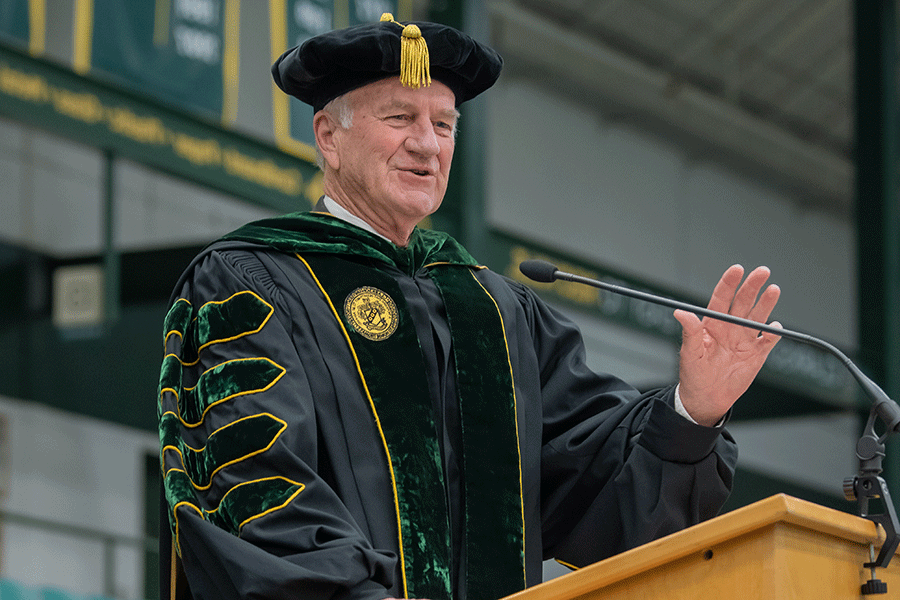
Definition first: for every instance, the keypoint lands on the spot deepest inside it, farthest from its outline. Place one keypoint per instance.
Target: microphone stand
(867, 484)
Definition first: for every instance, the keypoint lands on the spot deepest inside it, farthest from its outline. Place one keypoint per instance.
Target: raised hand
(719, 360)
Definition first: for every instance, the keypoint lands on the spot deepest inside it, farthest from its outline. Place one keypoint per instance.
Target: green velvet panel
(241, 314)
(178, 489)
(251, 500)
(178, 318)
(404, 410)
(169, 378)
(306, 233)
(169, 432)
(230, 444)
(226, 381)
(495, 530)
(176, 322)
(239, 505)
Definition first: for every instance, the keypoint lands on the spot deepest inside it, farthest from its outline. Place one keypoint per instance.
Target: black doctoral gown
(344, 418)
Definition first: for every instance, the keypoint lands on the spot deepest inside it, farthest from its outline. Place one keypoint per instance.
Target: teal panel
(877, 154)
(108, 374)
(152, 495)
(14, 24)
(172, 51)
(49, 593)
(12, 590)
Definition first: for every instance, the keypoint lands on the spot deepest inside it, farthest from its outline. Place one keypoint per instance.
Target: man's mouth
(420, 172)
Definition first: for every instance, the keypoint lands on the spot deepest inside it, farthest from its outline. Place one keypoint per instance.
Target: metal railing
(109, 541)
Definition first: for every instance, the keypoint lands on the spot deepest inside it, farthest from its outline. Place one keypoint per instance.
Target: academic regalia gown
(344, 418)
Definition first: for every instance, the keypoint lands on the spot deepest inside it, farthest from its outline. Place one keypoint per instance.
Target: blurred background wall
(648, 142)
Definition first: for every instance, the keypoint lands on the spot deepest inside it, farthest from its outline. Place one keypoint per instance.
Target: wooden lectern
(775, 549)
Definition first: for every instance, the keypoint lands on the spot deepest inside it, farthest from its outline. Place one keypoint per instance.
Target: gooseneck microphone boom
(870, 450)
(545, 272)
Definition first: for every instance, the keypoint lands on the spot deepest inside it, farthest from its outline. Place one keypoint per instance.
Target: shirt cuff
(681, 410)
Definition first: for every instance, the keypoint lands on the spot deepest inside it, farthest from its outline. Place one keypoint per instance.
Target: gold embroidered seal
(372, 313)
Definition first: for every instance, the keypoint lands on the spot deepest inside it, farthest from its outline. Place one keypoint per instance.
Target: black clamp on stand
(868, 485)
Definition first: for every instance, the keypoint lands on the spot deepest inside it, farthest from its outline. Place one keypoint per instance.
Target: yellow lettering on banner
(147, 130)
(576, 292)
(120, 120)
(82, 106)
(263, 172)
(24, 86)
(196, 150)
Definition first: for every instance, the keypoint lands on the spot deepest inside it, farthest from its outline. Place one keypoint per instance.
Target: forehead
(390, 92)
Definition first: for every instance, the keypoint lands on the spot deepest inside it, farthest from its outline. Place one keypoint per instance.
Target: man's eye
(399, 117)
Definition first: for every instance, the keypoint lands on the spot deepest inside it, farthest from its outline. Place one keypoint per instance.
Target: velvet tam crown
(331, 64)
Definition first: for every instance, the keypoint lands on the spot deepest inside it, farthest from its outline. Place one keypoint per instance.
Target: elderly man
(352, 407)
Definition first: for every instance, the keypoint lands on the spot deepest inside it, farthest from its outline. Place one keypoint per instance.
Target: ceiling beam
(824, 178)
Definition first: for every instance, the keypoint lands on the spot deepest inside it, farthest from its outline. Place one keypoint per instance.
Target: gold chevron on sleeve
(217, 322)
(226, 381)
(231, 444)
(243, 503)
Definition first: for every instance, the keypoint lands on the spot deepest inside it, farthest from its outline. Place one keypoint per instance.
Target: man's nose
(422, 139)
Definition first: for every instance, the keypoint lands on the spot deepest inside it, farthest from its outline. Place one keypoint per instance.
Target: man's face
(392, 164)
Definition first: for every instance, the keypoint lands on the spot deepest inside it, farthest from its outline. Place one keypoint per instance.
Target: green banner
(45, 95)
(791, 365)
(14, 25)
(295, 21)
(181, 52)
(22, 23)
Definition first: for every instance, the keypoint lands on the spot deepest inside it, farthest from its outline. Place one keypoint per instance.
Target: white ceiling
(765, 83)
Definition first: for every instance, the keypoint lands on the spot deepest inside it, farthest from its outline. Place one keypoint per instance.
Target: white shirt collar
(342, 213)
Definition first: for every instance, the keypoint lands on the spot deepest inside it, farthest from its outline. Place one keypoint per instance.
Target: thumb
(692, 330)
(772, 338)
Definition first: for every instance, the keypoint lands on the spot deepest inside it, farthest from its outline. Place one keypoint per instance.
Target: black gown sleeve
(618, 468)
(252, 515)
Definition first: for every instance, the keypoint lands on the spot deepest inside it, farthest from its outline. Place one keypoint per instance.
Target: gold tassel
(415, 65)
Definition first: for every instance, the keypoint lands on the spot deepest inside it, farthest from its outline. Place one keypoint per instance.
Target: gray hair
(340, 109)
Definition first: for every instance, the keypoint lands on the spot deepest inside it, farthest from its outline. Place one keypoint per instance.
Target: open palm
(720, 360)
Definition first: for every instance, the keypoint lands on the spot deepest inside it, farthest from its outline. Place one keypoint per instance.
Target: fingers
(742, 301)
(738, 299)
(723, 293)
(765, 305)
(745, 299)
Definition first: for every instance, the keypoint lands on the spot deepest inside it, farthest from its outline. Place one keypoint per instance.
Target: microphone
(545, 272)
(539, 270)
(870, 449)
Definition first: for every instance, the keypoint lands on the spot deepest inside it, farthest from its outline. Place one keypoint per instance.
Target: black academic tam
(334, 63)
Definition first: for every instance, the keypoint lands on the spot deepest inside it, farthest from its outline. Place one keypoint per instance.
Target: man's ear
(325, 126)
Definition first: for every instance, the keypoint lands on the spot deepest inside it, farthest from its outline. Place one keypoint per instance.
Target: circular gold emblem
(372, 313)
